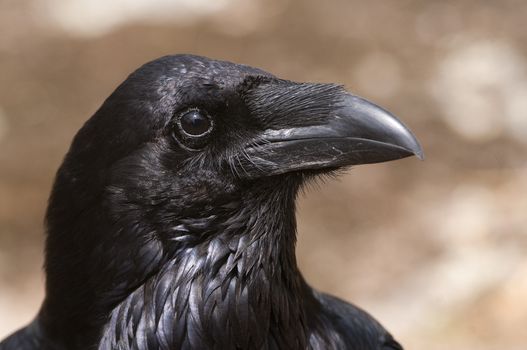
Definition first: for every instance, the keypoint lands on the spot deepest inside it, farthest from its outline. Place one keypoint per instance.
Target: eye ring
(195, 123)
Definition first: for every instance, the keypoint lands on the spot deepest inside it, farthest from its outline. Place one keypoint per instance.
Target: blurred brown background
(436, 250)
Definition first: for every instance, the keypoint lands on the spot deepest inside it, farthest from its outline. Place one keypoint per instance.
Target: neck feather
(238, 288)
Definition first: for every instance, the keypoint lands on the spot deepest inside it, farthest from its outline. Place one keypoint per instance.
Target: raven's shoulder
(30, 337)
(356, 328)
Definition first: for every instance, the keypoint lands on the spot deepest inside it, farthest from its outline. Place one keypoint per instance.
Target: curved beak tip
(420, 154)
(367, 120)
(410, 143)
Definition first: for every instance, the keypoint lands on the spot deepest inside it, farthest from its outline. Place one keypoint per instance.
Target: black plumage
(171, 223)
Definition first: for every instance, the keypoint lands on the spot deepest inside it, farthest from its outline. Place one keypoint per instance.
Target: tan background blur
(436, 250)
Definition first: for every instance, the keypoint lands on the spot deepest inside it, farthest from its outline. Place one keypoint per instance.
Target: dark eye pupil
(194, 123)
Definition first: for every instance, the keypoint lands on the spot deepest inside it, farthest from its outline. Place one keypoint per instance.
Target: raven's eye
(195, 123)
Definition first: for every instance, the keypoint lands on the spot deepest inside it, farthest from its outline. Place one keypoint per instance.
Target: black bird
(171, 223)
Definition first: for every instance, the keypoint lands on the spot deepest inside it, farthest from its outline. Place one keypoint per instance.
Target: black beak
(356, 132)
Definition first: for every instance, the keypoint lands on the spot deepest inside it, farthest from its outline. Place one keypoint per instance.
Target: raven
(171, 222)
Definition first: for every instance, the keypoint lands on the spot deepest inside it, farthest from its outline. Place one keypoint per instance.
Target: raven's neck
(238, 288)
(225, 280)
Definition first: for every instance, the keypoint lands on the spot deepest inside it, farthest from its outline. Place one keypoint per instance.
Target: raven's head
(186, 150)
